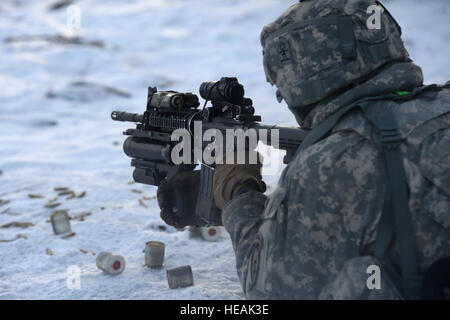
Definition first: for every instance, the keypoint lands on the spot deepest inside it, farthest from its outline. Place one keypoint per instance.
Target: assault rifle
(150, 144)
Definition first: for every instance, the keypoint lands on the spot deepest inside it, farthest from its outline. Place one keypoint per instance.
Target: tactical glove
(230, 179)
(177, 197)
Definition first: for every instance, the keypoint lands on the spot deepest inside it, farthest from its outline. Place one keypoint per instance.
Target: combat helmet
(319, 48)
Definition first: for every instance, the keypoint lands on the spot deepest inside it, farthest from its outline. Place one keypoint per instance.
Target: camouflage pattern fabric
(317, 48)
(297, 243)
(351, 283)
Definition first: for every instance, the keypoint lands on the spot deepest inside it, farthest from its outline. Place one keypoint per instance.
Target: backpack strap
(322, 129)
(396, 201)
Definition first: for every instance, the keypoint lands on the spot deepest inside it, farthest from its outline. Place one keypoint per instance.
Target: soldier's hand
(187, 183)
(231, 179)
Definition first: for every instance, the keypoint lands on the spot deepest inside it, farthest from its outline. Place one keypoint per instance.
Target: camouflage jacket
(297, 242)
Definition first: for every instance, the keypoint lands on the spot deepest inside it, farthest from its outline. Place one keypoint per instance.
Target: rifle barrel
(126, 116)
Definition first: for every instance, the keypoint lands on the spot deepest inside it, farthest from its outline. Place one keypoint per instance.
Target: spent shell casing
(154, 254)
(65, 193)
(59, 189)
(180, 277)
(60, 222)
(51, 205)
(109, 263)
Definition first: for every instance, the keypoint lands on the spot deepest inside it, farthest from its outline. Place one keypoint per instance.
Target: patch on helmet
(284, 51)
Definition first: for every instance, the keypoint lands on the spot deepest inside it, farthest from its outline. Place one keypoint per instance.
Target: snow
(56, 131)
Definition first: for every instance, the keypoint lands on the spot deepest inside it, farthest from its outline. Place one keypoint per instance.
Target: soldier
(369, 188)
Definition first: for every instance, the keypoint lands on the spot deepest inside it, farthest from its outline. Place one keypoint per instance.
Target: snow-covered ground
(55, 131)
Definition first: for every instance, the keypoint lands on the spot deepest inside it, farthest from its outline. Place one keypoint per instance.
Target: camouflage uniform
(314, 236)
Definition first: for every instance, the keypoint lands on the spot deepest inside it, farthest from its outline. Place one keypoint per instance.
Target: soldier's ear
(279, 96)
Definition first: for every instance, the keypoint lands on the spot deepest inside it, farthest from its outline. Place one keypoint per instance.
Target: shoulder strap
(321, 130)
(396, 201)
(324, 127)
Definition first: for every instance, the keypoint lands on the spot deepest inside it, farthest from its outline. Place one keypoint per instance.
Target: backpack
(396, 219)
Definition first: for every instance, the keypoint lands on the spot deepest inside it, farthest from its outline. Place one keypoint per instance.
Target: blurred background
(65, 65)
